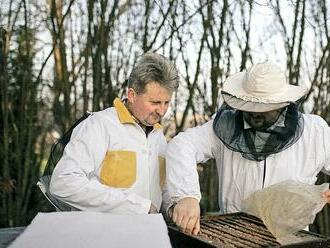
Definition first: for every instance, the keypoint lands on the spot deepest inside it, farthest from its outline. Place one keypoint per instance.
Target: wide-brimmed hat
(261, 88)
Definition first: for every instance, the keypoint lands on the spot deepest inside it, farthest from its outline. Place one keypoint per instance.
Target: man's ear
(131, 95)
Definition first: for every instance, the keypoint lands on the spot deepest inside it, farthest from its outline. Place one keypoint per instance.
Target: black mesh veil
(54, 156)
(58, 148)
(229, 127)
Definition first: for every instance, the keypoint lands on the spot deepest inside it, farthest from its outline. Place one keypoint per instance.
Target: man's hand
(326, 196)
(153, 209)
(186, 215)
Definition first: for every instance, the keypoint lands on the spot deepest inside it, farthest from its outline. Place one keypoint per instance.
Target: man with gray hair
(114, 161)
(258, 138)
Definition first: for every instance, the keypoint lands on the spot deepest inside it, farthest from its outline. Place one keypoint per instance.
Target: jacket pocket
(118, 169)
(162, 171)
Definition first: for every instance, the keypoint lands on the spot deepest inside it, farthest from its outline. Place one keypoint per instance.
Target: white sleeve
(324, 131)
(74, 181)
(165, 193)
(184, 152)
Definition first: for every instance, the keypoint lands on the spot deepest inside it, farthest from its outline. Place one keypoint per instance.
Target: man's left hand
(186, 215)
(326, 196)
(153, 209)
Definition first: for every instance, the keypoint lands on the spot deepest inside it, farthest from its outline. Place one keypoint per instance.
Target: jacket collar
(125, 117)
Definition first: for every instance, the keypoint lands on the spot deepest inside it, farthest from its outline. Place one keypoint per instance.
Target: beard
(152, 119)
(259, 122)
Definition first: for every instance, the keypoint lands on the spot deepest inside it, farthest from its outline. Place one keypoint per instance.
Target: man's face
(150, 106)
(262, 120)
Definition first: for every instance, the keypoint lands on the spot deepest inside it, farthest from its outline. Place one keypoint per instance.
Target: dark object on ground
(7, 235)
(238, 230)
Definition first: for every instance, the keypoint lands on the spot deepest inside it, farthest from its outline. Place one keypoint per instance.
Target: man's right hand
(153, 209)
(326, 196)
(186, 215)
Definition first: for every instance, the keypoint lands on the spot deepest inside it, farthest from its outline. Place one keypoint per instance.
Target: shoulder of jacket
(314, 120)
(105, 115)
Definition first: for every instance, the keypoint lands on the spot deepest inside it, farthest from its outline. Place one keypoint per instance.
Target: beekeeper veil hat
(261, 88)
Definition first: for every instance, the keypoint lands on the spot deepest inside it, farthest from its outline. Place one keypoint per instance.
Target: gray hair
(153, 67)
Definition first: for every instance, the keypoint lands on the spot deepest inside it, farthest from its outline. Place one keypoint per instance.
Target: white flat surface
(90, 229)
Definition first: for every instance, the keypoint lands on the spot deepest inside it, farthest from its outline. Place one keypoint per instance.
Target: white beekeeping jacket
(110, 165)
(239, 177)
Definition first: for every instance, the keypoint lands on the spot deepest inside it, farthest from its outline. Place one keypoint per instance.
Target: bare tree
(320, 87)
(21, 129)
(293, 36)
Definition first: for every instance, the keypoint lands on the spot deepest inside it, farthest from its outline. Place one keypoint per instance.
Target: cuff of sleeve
(326, 171)
(175, 200)
(188, 196)
(141, 205)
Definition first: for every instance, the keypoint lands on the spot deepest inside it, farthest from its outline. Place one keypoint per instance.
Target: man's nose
(161, 109)
(255, 114)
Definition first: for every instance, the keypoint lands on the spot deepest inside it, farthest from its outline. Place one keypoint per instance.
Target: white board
(90, 229)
